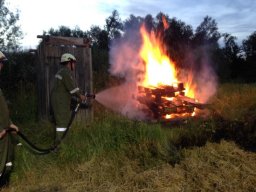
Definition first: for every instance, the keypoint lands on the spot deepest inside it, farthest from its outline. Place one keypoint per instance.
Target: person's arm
(14, 127)
(72, 87)
(2, 133)
(82, 97)
(5, 121)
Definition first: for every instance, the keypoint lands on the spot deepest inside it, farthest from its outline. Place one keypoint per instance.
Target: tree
(230, 59)
(249, 47)
(10, 33)
(65, 31)
(102, 37)
(99, 37)
(114, 25)
(132, 23)
(149, 22)
(205, 44)
(77, 32)
(161, 23)
(207, 33)
(131, 29)
(177, 38)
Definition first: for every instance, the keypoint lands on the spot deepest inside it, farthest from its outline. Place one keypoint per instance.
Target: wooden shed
(49, 53)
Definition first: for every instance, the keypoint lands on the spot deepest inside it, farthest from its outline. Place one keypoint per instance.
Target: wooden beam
(68, 41)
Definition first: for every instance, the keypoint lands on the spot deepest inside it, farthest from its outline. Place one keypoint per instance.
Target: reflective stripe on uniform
(58, 77)
(61, 129)
(9, 164)
(74, 90)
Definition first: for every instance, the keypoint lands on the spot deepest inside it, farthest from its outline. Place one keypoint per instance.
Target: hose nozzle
(90, 95)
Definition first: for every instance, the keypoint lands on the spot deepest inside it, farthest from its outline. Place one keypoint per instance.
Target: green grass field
(114, 153)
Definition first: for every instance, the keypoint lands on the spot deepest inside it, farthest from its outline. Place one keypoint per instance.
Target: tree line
(231, 61)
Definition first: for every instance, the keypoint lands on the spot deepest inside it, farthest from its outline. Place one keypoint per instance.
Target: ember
(167, 102)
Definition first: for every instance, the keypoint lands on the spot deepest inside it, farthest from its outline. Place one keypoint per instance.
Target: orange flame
(159, 69)
(165, 22)
(190, 87)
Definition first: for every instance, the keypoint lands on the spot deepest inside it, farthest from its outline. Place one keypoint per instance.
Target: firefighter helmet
(67, 57)
(2, 57)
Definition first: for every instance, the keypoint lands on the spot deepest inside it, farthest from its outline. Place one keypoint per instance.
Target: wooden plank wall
(48, 65)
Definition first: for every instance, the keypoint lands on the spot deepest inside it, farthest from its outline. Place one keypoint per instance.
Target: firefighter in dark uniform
(64, 88)
(7, 140)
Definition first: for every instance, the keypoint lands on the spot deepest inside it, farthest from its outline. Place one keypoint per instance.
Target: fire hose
(34, 148)
(42, 151)
(77, 104)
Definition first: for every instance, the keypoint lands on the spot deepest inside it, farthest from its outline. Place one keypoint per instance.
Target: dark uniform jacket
(6, 143)
(63, 88)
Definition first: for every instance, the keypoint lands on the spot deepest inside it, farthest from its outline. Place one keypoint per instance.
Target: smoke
(125, 62)
(124, 57)
(200, 73)
(122, 99)
(206, 83)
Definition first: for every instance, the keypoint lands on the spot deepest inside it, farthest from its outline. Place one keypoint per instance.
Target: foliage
(66, 32)
(114, 25)
(99, 38)
(18, 82)
(10, 32)
(19, 71)
(238, 97)
(23, 105)
(249, 46)
(178, 41)
(188, 48)
(133, 23)
(207, 33)
(230, 59)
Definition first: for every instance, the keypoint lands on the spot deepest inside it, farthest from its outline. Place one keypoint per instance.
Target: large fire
(159, 69)
(155, 87)
(160, 89)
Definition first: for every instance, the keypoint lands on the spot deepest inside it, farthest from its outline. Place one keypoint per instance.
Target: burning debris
(161, 90)
(164, 94)
(167, 102)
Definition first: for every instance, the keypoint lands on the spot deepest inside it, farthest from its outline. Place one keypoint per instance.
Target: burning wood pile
(168, 102)
(167, 96)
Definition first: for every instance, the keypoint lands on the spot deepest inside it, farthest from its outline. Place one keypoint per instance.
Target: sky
(237, 17)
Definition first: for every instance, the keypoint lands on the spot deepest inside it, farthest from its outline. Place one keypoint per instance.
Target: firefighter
(64, 87)
(7, 140)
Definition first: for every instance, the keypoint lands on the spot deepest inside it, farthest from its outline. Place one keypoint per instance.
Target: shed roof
(70, 41)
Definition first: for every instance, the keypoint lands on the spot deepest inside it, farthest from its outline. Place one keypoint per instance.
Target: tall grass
(23, 104)
(236, 101)
(114, 153)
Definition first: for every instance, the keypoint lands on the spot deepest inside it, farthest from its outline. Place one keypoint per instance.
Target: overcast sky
(237, 17)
